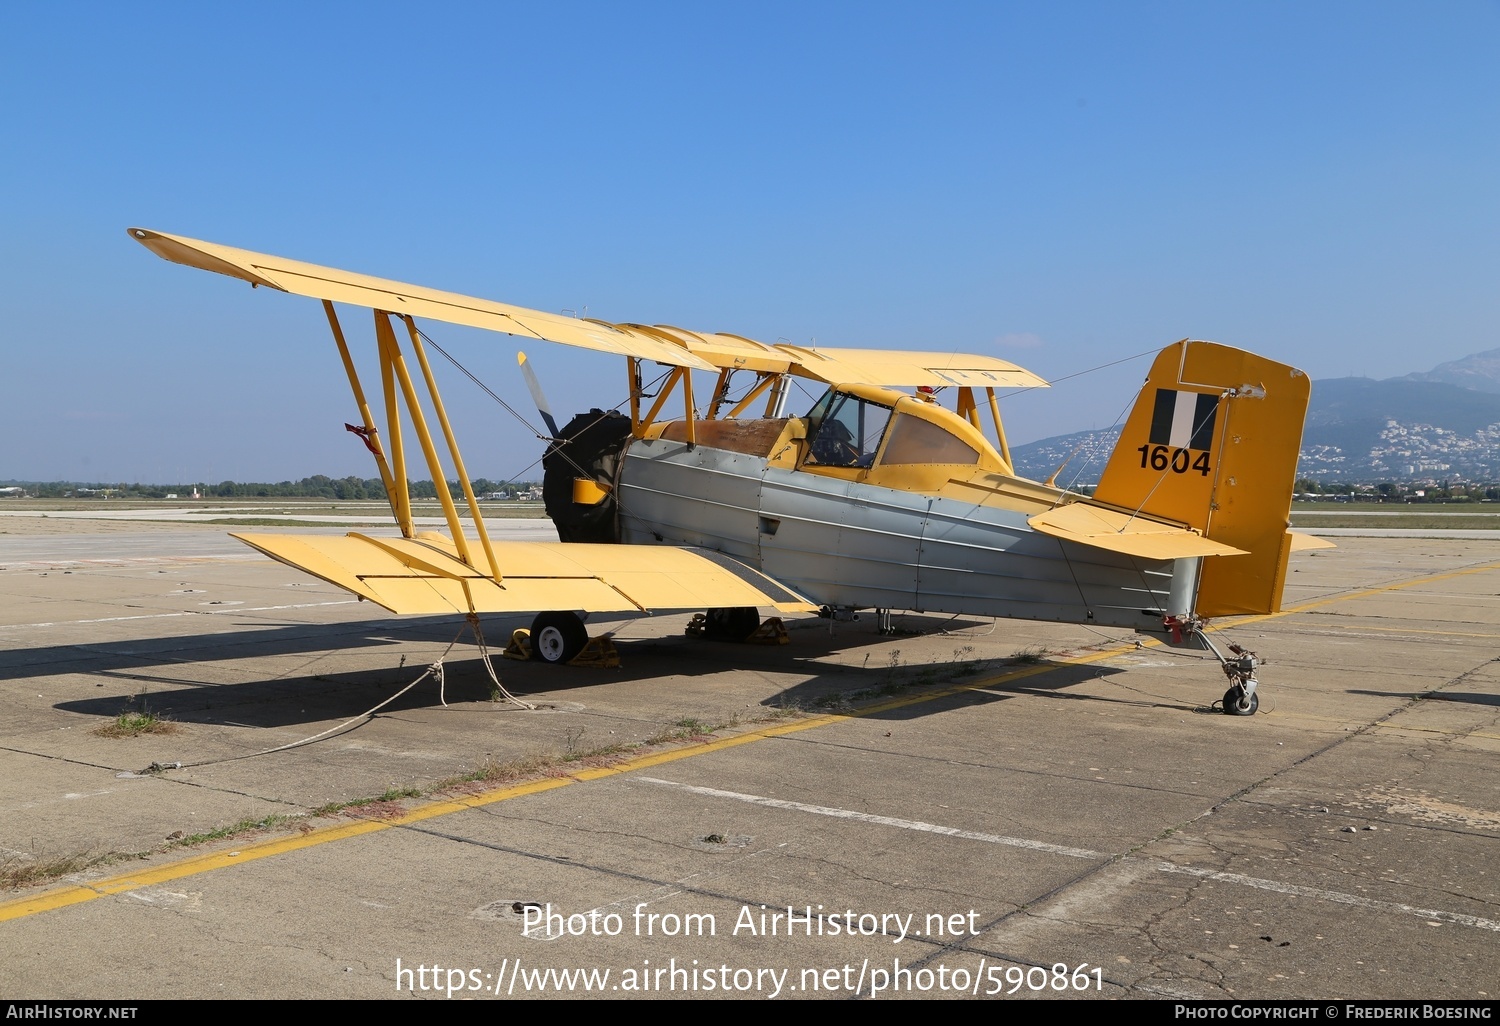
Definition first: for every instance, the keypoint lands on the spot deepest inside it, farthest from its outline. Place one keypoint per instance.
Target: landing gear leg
(1240, 699)
(883, 622)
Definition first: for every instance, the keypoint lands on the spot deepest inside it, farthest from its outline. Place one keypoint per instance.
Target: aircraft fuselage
(845, 543)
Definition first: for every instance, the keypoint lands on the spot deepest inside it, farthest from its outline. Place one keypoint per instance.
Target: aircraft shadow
(128, 656)
(162, 674)
(184, 650)
(1053, 681)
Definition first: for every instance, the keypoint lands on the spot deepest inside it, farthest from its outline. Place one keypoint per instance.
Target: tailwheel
(1239, 703)
(1241, 698)
(557, 638)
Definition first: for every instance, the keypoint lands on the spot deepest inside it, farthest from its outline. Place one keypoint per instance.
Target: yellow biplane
(878, 498)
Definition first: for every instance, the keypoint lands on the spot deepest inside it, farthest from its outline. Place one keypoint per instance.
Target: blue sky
(1061, 185)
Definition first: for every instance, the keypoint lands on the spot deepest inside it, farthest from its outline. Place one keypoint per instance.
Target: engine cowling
(591, 449)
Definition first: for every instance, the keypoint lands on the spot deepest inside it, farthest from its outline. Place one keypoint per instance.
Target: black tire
(733, 624)
(1235, 704)
(557, 638)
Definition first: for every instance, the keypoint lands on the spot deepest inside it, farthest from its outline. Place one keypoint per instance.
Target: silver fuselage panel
(843, 543)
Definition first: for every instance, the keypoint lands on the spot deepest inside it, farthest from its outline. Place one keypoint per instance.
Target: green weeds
(132, 724)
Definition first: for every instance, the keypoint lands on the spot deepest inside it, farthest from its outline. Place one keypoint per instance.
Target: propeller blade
(536, 394)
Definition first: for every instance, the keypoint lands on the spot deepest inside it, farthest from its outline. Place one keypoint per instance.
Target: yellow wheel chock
(599, 652)
(771, 632)
(520, 645)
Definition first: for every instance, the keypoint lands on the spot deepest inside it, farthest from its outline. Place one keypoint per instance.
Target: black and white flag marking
(1183, 420)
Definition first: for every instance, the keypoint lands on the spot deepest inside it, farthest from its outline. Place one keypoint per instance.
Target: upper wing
(398, 297)
(424, 575)
(889, 368)
(896, 367)
(661, 343)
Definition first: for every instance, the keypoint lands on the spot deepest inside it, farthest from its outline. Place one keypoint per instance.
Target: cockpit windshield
(845, 430)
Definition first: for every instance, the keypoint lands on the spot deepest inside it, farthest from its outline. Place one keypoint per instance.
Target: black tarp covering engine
(593, 447)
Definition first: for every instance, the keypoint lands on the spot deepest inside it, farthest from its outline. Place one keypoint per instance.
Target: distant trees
(1396, 491)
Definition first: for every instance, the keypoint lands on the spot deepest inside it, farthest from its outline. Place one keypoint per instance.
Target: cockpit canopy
(860, 426)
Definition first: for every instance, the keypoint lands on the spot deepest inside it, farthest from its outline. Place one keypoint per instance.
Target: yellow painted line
(61, 897)
(73, 894)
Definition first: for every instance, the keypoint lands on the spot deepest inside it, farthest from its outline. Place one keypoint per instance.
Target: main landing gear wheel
(733, 624)
(557, 638)
(1237, 703)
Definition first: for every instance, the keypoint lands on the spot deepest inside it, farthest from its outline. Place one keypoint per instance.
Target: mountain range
(1441, 424)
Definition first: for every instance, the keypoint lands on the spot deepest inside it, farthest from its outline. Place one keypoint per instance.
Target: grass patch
(394, 794)
(20, 871)
(501, 771)
(1028, 656)
(1435, 508)
(24, 871)
(133, 724)
(1392, 520)
(244, 826)
(685, 730)
(603, 751)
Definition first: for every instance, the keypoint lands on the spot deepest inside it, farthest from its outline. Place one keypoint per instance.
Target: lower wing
(424, 575)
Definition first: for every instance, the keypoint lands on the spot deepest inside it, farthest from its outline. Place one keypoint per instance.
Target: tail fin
(1212, 442)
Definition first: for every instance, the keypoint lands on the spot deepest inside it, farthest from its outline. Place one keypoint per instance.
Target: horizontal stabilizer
(423, 576)
(1132, 535)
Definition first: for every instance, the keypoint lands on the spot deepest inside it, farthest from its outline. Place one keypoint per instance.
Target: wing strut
(968, 408)
(458, 460)
(394, 376)
(392, 348)
(371, 437)
(401, 497)
(755, 393)
(679, 375)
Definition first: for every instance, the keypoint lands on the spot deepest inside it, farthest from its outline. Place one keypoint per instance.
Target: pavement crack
(1338, 742)
(1156, 921)
(63, 758)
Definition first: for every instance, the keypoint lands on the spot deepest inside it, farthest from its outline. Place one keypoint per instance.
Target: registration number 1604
(1178, 461)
